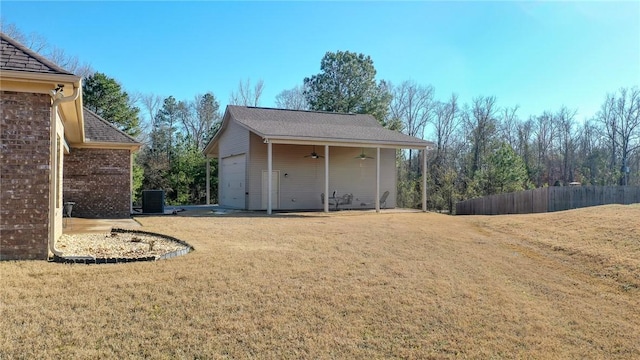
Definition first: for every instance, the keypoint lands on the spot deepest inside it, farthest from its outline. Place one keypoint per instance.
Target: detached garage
(308, 154)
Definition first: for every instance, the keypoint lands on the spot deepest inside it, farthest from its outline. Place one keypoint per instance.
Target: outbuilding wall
(301, 179)
(234, 141)
(99, 182)
(25, 165)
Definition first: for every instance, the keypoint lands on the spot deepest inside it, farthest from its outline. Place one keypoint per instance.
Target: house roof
(315, 127)
(17, 57)
(99, 131)
(23, 70)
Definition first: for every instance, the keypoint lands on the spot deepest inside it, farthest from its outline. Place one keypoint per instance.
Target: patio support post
(131, 194)
(269, 177)
(208, 181)
(326, 178)
(424, 179)
(378, 180)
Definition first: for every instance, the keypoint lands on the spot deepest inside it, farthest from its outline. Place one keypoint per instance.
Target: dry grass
(347, 285)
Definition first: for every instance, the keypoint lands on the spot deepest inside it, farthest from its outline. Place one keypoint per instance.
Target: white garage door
(232, 184)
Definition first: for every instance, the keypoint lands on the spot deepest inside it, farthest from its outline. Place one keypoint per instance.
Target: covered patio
(309, 154)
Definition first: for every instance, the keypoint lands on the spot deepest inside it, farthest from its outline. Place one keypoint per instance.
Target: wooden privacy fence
(549, 199)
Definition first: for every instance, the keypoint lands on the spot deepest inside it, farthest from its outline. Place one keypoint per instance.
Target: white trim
(270, 170)
(130, 182)
(377, 179)
(208, 181)
(106, 145)
(346, 143)
(424, 179)
(25, 76)
(326, 178)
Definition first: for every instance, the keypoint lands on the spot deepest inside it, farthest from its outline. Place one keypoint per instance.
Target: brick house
(97, 170)
(46, 136)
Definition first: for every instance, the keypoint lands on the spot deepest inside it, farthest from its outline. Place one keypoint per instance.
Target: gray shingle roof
(98, 130)
(15, 56)
(316, 125)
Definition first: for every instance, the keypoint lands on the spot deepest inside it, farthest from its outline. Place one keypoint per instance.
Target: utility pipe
(58, 98)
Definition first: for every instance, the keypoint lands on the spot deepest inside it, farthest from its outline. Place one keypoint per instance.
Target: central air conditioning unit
(153, 201)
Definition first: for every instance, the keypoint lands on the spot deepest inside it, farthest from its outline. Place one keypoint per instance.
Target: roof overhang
(42, 83)
(345, 143)
(211, 150)
(106, 145)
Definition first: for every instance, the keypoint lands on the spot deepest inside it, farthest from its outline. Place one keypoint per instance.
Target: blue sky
(538, 55)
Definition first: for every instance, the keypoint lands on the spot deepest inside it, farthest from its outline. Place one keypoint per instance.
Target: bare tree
(69, 63)
(508, 126)
(292, 99)
(524, 130)
(445, 122)
(38, 43)
(200, 125)
(150, 104)
(592, 154)
(446, 117)
(566, 141)
(620, 116)
(247, 95)
(482, 123)
(544, 133)
(412, 105)
(33, 41)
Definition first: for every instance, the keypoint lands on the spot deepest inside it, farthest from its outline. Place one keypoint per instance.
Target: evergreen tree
(505, 172)
(347, 84)
(104, 96)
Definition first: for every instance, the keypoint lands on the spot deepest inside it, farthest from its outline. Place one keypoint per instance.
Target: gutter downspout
(58, 98)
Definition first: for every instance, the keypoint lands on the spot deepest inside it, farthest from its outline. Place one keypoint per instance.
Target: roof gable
(99, 130)
(17, 57)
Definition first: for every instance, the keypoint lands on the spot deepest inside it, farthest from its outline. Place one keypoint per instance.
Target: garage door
(232, 184)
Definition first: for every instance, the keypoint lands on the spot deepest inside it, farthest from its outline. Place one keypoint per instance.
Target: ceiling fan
(314, 154)
(363, 156)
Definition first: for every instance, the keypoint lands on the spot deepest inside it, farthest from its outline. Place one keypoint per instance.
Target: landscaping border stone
(116, 260)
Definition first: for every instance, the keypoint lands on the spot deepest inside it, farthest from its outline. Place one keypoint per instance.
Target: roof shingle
(280, 123)
(98, 130)
(15, 56)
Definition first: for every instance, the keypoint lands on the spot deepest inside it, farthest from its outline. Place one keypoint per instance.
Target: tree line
(480, 147)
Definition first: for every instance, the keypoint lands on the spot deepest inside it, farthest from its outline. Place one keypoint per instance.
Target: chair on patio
(332, 200)
(345, 199)
(66, 212)
(383, 199)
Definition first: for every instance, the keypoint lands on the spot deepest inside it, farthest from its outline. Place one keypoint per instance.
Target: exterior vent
(153, 201)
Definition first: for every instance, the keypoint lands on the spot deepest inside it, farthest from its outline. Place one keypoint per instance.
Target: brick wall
(98, 181)
(24, 175)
